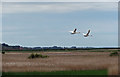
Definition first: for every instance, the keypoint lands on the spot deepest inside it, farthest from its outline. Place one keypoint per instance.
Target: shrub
(31, 56)
(3, 52)
(37, 56)
(43, 56)
(114, 53)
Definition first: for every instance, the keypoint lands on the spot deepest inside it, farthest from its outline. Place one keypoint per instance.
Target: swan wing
(88, 32)
(74, 30)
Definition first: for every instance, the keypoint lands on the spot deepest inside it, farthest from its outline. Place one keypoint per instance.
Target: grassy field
(84, 72)
(14, 62)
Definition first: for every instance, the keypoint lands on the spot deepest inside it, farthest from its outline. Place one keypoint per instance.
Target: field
(60, 61)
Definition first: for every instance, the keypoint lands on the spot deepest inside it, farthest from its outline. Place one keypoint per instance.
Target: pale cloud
(0, 21)
(60, 0)
(57, 7)
(24, 34)
(0, 7)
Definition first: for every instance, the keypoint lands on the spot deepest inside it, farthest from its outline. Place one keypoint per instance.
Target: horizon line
(65, 46)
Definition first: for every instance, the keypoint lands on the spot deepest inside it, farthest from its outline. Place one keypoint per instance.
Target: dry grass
(113, 70)
(18, 62)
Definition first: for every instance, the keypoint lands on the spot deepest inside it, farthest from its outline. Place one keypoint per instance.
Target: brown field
(19, 62)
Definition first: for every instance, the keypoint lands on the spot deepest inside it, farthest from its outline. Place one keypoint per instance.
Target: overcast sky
(48, 24)
(60, 0)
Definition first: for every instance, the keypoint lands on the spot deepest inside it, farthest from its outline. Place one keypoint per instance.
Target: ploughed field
(59, 61)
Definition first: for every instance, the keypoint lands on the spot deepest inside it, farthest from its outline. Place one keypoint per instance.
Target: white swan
(86, 35)
(74, 32)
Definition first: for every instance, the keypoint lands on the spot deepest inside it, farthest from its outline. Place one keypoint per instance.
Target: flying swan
(74, 32)
(86, 35)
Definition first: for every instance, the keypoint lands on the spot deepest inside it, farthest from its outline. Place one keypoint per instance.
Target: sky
(60, 0)
(48, 23)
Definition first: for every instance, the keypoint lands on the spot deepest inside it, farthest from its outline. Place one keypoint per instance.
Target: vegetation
(3, 52)
(6, 47)
(82, 72)
(114, 53)
(65, 50)
(37, 56)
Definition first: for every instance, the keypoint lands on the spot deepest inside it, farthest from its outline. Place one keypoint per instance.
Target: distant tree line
(6, 47)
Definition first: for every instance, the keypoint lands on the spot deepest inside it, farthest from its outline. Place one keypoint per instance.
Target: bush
(3, 52)
(43, 56)
(37, 56)
(114, 53)
(31, 56)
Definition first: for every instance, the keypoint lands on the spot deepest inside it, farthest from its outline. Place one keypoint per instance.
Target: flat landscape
(59, 61)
